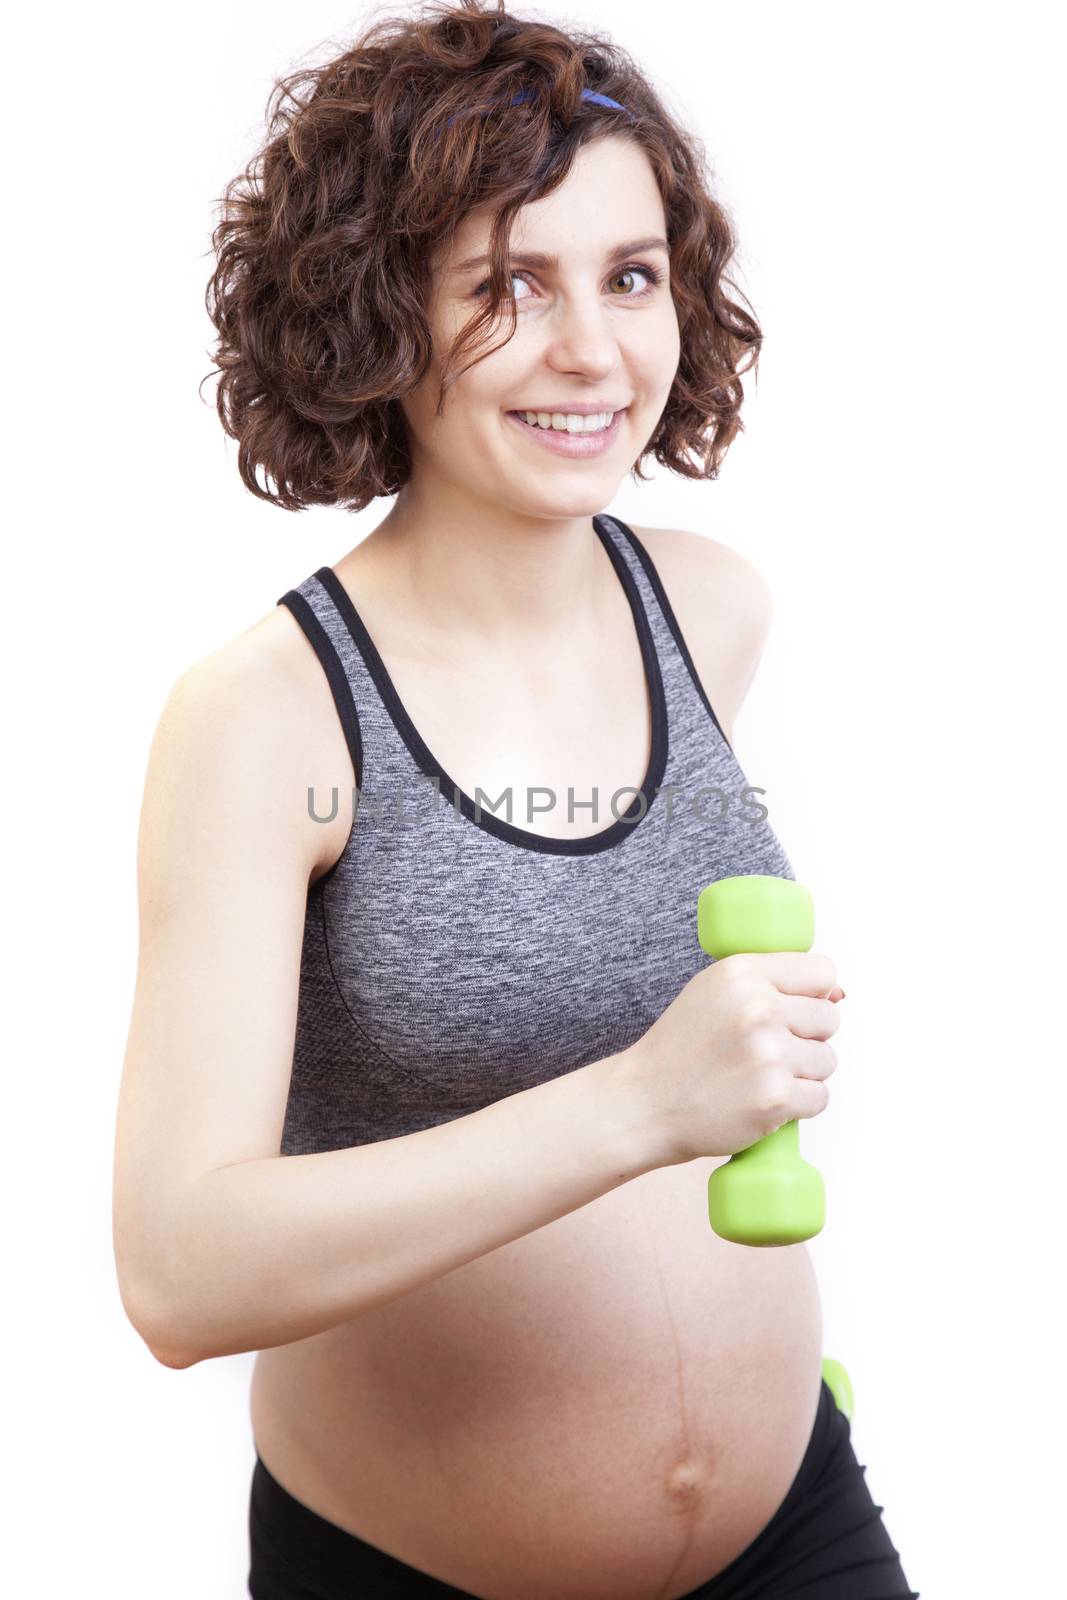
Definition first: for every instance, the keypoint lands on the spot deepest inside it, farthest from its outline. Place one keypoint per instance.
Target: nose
(582, 336)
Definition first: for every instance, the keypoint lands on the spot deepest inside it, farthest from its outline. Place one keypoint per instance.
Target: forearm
(276, 1250)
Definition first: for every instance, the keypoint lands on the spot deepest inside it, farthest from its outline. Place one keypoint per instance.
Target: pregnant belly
(610, 1408)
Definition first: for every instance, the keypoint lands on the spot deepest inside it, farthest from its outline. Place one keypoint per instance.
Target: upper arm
(724, 608)
(224, 854)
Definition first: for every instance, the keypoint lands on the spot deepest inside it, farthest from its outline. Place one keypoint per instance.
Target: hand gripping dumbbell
(767, 1193)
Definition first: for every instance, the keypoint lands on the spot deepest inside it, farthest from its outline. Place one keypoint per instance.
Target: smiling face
(594, 332)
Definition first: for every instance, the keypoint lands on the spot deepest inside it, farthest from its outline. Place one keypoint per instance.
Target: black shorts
(826, 1541)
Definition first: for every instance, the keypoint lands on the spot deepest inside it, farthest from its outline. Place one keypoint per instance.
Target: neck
(498, 575)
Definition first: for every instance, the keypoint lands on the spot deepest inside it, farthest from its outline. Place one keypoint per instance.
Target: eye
(516, 277)
(653, 274)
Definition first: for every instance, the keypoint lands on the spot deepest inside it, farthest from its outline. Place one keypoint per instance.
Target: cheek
(660, 354)
(666, 337)
(464, 434)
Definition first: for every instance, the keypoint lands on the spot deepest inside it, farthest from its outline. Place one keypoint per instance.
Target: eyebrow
(538, 258)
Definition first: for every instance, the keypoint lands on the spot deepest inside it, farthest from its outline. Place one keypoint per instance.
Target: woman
(500, 1351)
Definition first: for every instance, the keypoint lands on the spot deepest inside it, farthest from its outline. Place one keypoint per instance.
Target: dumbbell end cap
(766, 1203)
(754, 912)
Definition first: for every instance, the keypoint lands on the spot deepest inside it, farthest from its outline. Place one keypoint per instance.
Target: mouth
(564, 443)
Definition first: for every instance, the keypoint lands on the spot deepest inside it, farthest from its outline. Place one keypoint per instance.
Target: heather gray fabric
(449, 961)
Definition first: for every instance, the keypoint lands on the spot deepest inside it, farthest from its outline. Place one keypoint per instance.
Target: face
(595, 332)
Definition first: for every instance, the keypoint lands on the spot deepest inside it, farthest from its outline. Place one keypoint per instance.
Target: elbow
(172, 1359)
(168, 1351)
(157, 1332)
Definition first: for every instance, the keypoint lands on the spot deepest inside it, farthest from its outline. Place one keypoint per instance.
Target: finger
(809, 1099)
(815, 1059)
(810, 1018)
(795, 973)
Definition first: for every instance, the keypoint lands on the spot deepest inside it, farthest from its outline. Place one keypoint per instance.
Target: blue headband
(528, 94)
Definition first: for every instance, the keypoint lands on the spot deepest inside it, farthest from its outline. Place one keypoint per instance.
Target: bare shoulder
(723, 606)
(256, 715)
(701, 566)
(257, 682)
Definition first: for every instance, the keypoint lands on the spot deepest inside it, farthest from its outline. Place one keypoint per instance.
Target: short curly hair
(323, 252)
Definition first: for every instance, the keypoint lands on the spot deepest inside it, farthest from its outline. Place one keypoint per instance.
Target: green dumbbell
(767, 1193)
(839, 1385)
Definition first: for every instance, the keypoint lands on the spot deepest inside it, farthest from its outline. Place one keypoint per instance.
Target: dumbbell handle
(767, 1193)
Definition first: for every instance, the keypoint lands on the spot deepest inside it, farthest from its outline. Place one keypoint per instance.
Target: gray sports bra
(450, 957)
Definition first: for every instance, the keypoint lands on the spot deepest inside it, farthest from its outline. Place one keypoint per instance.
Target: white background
(895, 176)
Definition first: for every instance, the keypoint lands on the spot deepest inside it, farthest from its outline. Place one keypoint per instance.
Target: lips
(560, 442)
(542, 411)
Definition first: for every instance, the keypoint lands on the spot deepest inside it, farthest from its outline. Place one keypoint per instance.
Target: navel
(685, 1482)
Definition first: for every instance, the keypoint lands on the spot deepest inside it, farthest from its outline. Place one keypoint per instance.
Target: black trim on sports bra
(341, 690)
(427, 762)
(672, 621)
(319, 640)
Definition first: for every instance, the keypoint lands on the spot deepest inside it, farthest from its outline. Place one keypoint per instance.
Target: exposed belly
(610, 1408)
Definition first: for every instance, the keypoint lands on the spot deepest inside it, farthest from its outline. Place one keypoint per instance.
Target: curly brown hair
(326, 241)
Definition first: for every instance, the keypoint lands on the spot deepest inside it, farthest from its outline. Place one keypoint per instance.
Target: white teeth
(569, 421)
